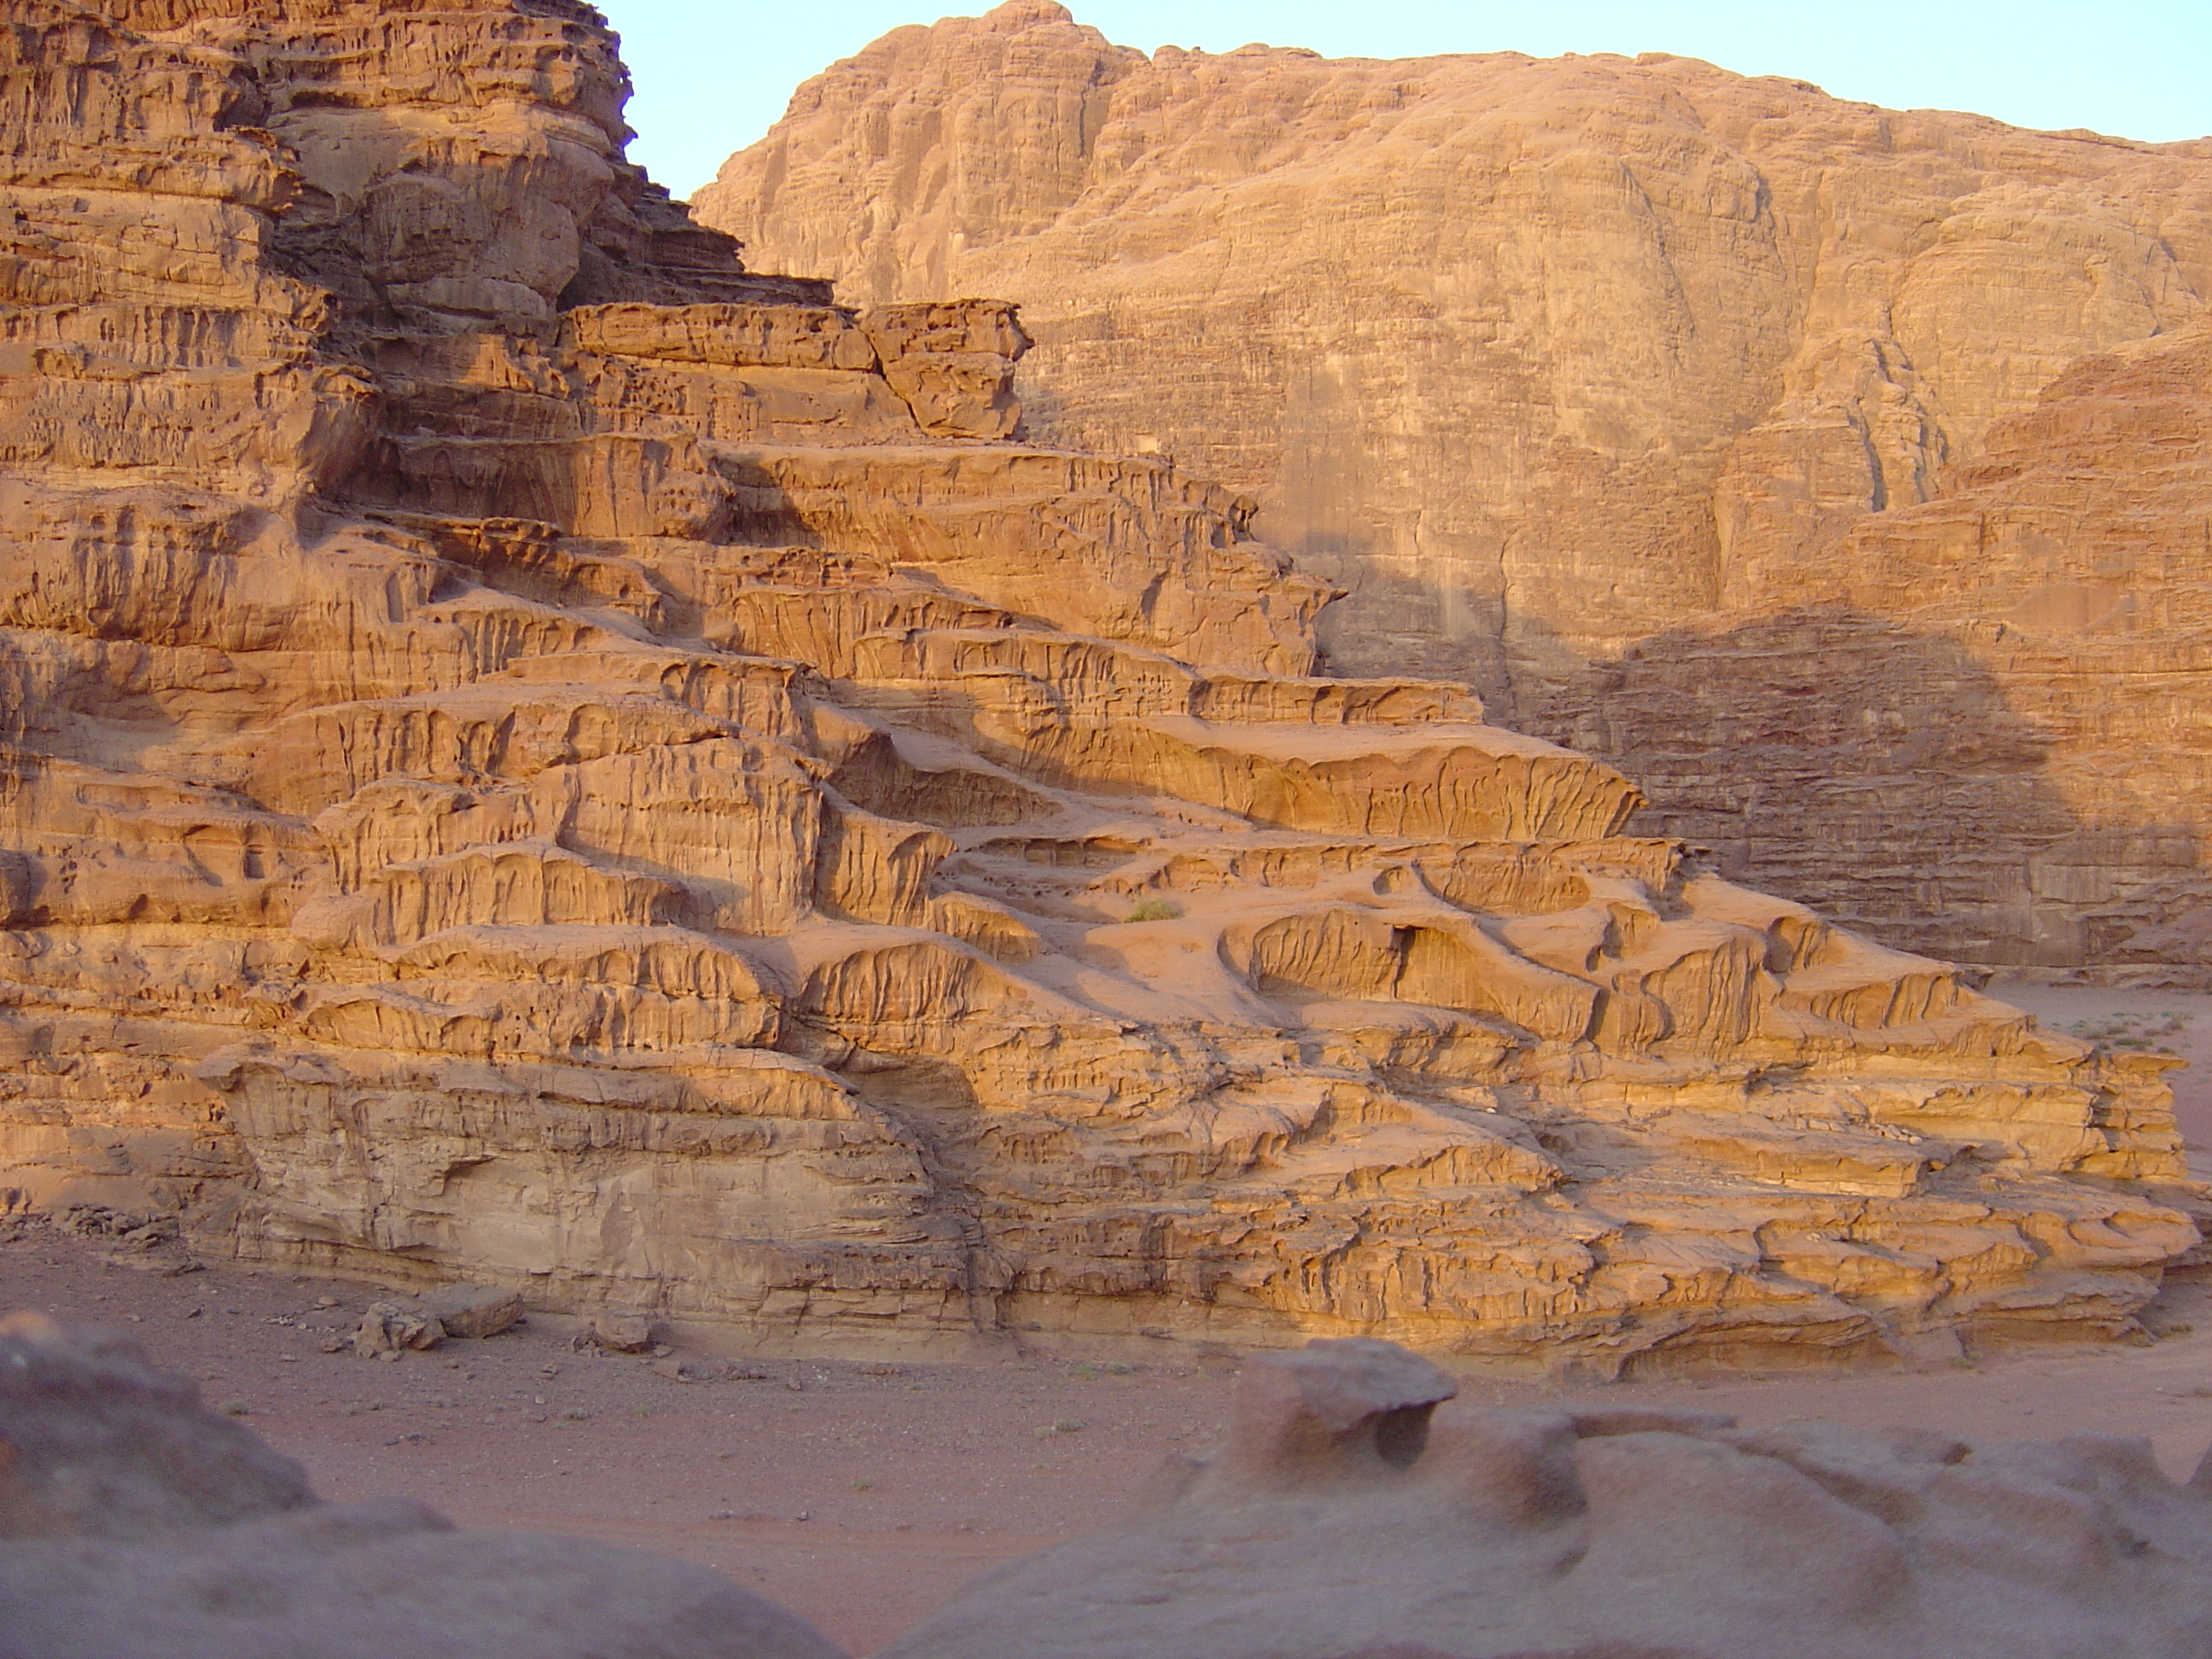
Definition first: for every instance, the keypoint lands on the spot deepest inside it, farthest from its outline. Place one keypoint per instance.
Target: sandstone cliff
(1597, 382)
(534, 754)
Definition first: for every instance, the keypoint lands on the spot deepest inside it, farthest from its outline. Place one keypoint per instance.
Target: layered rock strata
(538, 756)
(1638, 394)
(1357, 1511)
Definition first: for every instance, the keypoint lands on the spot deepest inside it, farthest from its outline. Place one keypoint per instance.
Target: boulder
(473, 1311)
(390, 1329)
(95, 1442)
(1321, 1532)
(134, 1524)
(621, 1332)
(389, 1579)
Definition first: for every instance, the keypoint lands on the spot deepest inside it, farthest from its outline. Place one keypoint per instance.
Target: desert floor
(863, 1494)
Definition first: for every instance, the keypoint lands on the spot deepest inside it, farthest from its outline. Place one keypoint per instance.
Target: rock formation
(535, 755)
(1763, 444)
(136, 1525)
(1349, 1515)
(1354, 1510)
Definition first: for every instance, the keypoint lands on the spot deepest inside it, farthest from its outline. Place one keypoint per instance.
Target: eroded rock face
(1605, 1534)
(1631, 392)
(132, 1522)
(537, 756)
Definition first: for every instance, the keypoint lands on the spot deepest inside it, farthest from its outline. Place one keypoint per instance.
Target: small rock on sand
(623, 1332)
(474, 1310)
(391, 1328)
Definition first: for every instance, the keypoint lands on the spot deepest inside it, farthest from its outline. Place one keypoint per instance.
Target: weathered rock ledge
(536, 755)
(1839, 473)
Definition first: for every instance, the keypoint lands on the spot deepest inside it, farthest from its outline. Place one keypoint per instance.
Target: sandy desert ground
(862, 1494)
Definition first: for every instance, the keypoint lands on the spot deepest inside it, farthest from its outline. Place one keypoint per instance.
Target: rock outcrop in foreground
(1354, 1512)
(537, 756)
(1351, 1513)
(136, 1525)
(1839, 473)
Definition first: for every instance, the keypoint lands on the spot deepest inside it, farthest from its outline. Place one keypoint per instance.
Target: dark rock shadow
(1879, 775)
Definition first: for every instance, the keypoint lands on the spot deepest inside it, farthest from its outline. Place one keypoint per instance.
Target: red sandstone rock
(535, 755)
(95, 1442)
(134, 1525)
(1592, 379)
(1604, 1535)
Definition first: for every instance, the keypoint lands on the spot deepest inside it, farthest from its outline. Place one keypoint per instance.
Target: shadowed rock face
(133, 1522)
(1605, 1534)
(538, 756)
(1584, 371)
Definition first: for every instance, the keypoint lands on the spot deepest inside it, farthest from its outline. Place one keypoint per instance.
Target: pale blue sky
(714, 75)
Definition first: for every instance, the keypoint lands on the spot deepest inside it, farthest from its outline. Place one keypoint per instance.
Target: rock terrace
(1840, 474)
(538, 755)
